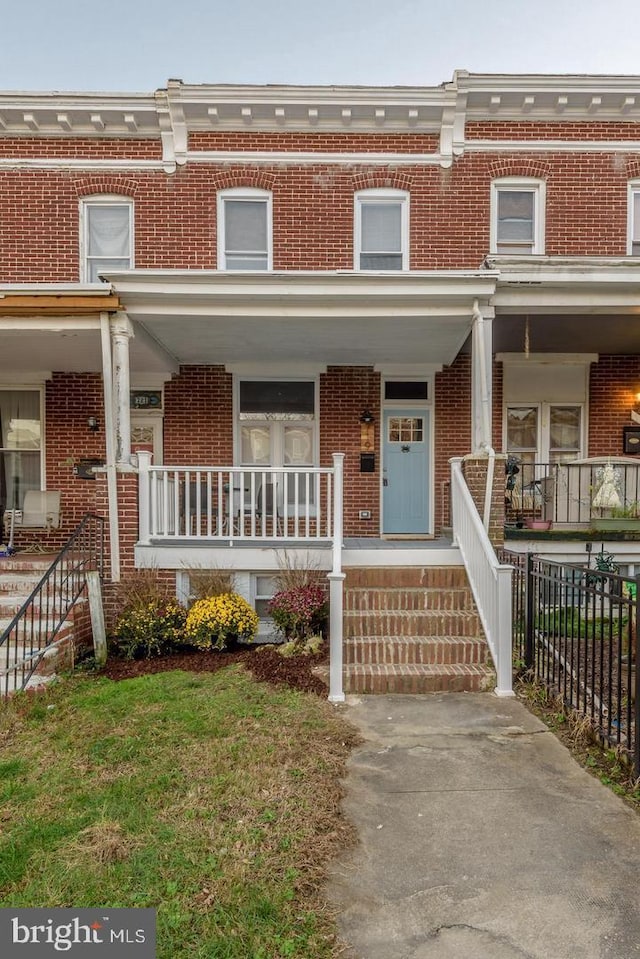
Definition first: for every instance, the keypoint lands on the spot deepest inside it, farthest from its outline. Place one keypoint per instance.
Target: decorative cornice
(172, 113)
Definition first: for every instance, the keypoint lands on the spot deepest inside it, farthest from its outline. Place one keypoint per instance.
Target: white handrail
(490, 580)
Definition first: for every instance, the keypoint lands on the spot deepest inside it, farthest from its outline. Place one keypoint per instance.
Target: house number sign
(146, 399)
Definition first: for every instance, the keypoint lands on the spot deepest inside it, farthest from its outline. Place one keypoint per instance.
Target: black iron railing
(39, 621)
(570, 493)
(575, 629)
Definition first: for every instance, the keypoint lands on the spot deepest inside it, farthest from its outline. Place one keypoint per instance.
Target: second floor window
(633, 242)
(107, 236)
(381, 230)
(244, 230)
(517, 217)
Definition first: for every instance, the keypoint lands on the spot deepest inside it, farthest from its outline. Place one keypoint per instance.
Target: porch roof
(553, 303)
(332, 318)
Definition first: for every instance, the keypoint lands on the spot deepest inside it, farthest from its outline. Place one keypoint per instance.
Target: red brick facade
(586, 214)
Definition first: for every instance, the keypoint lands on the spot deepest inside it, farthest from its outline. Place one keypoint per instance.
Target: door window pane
(522, 429)
(298, 446)
(406, 429)
(256, 445)
(564, 432)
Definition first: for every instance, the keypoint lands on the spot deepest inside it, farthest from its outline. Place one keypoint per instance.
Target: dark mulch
(266, 664)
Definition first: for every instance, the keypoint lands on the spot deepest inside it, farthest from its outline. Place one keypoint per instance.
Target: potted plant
(623, 517)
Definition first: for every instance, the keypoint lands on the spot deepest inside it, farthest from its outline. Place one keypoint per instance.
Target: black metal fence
(575, 629)
(39, 621)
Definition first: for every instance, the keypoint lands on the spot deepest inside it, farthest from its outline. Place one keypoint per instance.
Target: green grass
(210, 797)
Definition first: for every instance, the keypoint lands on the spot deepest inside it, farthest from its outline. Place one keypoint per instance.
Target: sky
(136, 45)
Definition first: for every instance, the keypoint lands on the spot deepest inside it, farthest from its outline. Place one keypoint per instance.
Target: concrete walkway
(481, 838)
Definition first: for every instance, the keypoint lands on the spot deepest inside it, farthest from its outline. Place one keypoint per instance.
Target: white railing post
(144, 475)
(504, 626)
(336, 583)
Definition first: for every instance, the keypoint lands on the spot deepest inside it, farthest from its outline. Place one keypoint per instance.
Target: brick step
(14, 651)
(39, 627)
(37, 563)
(419, 678)
(444, 650)
(398, 577)
(425, 623)
(18, 581)
(408, 598)
(10, 603)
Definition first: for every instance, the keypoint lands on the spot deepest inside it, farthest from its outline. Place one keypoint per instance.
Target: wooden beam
(16, 304)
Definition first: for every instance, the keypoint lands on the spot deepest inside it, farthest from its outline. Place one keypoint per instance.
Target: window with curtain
(517, 225)
(107, 236)
(381, 230)
(634, 221)
(244, 230)
(20, 446)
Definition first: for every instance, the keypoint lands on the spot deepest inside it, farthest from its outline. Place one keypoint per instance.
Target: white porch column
(121, 333)
(112, 480)
(144, 500)
(481, 380)
(336, 582)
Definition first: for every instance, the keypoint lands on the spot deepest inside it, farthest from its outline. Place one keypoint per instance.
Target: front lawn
(209, 796)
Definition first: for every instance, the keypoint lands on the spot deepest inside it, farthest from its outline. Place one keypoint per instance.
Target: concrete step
(430, 622)
(418, 678)
(444, 650)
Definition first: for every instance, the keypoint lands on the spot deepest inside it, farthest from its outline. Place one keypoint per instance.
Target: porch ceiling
(66, 344)
(560, 333)
(331, 318)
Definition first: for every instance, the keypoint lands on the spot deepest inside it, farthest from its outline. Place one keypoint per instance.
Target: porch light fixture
(635, 409)
(366, 416)
(92, 423)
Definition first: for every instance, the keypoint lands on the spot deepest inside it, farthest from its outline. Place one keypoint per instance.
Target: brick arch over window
(633, 168)
(99, 185)
(250, 179)
(519, 168)
(383, 180)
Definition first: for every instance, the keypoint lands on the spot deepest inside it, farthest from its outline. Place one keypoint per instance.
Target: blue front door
(405, 484)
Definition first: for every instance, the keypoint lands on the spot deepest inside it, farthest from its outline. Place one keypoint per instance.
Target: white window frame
(543, 439)
(397, 197)
(633, 189)
(102, 199)
(520, 185)
(252, 194)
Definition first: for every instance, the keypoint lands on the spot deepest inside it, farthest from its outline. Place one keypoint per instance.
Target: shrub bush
(300, 612)
(212, 623)
(148, 629)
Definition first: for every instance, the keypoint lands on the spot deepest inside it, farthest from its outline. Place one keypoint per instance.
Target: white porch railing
(227, 503)
(490, 580)
(219, 504)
